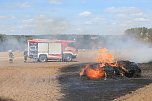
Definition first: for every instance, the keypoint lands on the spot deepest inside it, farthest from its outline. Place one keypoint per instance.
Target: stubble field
(34, 81)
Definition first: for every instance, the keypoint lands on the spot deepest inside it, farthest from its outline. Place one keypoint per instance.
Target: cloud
(55, 1)
(46, 25)
(124, 10)
(127, 17)
(6, 17)
(85, 14)
(141, 19)
(16, 6)
(42, 24)
(116, 21)
(25, 5)
(7, 29)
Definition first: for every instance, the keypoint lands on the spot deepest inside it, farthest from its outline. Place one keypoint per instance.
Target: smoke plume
(12, 43)
(127, 48)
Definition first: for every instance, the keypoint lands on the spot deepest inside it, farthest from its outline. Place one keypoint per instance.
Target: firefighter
(11, 56)
(25, 55)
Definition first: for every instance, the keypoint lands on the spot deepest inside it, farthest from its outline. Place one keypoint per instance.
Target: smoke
(45, 25)
(12, 43)
(121, 46)
(127, 48)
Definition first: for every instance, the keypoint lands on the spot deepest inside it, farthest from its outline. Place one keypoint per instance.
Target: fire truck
(44, 49)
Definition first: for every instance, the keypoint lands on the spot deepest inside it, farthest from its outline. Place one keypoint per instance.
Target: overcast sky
(73, 16)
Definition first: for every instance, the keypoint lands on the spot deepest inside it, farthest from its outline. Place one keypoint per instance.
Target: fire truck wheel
(68, 58)
(42, 58)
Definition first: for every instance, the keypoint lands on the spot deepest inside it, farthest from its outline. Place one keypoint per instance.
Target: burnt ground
(75, 88)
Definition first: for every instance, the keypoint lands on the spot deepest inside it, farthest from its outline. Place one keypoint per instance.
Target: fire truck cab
(45, 49)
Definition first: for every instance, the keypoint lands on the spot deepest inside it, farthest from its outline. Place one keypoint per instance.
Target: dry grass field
(28, 81)
(34, 81)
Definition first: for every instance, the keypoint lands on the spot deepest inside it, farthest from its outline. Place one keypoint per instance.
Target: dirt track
(37, 81)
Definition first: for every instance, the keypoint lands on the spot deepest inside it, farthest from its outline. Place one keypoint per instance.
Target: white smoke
(127, 48)
(12, 43)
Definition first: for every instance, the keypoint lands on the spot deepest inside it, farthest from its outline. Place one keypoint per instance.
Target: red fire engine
(44, 49)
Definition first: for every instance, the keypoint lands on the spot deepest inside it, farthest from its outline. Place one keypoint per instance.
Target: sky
(103, 17)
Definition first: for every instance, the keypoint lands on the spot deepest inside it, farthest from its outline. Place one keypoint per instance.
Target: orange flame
(104, 56)
(95, 73)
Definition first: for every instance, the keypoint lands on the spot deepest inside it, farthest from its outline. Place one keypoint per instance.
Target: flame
(104, 56)
(95, 73)
(105, 64)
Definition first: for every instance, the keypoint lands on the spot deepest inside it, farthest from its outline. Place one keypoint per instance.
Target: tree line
(19, 42)
(141, 33)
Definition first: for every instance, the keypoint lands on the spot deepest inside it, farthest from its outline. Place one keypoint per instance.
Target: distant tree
(29, 37)
(2, 37)
(141, 33)
(150, 34)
